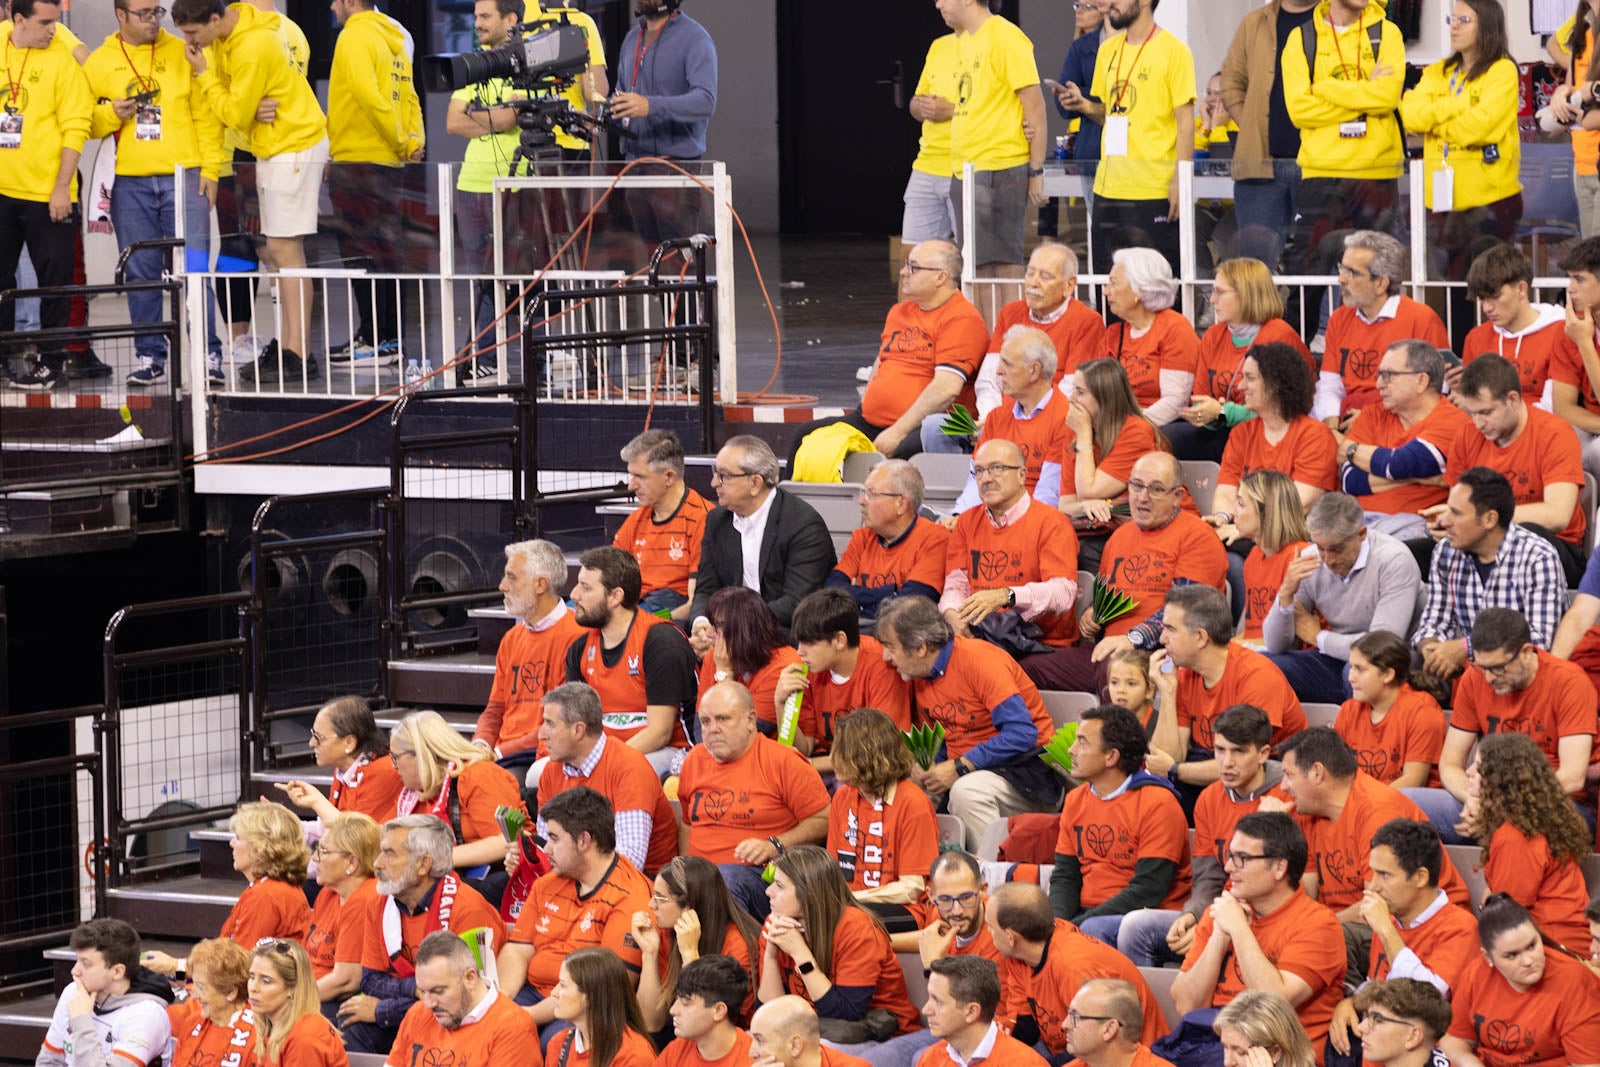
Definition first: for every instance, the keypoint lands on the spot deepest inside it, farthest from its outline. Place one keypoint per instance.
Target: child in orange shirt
(1395, 730)
(1129, 685)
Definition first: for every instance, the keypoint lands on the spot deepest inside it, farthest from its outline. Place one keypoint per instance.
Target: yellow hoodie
(1457, 120)
(191, 136)
(246, 67)
(1343, 92)
(54, 103)
(373, 112)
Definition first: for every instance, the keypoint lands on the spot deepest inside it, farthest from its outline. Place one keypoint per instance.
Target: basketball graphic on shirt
(135, 87)
(908, 339)
(436, 1057)
(714, 803)
(988, 566)
(1099, 837)
(1502, 1035)
(1375, 761)
(1360, 364)
(19, 102)
(1259, 602)
(1135, 567)
(1126, 97)
(1334, 866)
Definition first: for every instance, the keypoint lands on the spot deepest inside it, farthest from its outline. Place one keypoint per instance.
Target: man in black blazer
(758, 535)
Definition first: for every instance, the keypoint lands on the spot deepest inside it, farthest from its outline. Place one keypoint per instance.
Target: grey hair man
(665, 531)
(1032, 420)
(895, 551)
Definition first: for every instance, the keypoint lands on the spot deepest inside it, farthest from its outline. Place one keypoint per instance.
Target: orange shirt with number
(1263, 577)
(1039, 545)
(1554, 1024)
(668, 551)
(1145, 563)
(1307, 453)
(1545, 453)
(1376, 425)
(1412, 732)
(558, 920)
(1110, 837)
(767, 791)
(876, 841)
(1552, 890)
(915, 345)
(527, 665)
(1248, 678)
(873, 684)
(1170, 344)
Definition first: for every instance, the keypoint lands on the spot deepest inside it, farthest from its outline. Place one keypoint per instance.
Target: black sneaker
(40, 378)
(86, 364)
(266, 370)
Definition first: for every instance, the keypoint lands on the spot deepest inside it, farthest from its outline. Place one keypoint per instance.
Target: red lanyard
(15, 103)
(645, 41)
(1120, 85)
(1339, 49)
(144, 84)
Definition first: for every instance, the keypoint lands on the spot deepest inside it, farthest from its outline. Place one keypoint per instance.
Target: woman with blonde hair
(290, 1029)
(881, 827)
(1261, 1029)
(345, 739)
(1155, 344)
(593, 994)
(205, 1025)
(446, 775)
(1268, 513)
(1249, 310)
(345, 855)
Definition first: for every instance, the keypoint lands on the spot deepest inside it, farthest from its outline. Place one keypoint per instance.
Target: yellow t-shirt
(53, 106)
(1562, 33)
(994, 64)
(1145, 83)
(597, 58)
(1204, 139)
(938, 79)
(489, 156)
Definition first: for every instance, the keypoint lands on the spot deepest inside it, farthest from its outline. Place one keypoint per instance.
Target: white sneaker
(244, 350)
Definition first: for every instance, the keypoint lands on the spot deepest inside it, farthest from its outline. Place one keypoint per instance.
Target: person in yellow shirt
(929, 213)
(45, 110)
(1144, 81)
(591, 87)
(1214, 126)
(374, 129)
(246, 74)
(998, 91)
(148, 101)
(1576, 39)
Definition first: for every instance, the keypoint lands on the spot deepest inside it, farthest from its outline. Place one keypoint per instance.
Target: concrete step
(63, 958)
(493, 624)
(216, 852)
(459, 680)
(464, 722)
(191, 907)
(23, 1024)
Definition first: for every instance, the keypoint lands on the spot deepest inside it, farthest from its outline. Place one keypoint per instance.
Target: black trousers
(27, 224)
(1119, 224)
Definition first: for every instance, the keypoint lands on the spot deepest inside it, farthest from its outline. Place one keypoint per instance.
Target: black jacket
(796, 556)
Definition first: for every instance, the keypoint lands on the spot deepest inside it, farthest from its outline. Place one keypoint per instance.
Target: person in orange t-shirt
(1046, 959)
(748, 646)
(1521, 1004)
(1102, 1025)
(1033, 417)
(820, 944)
(1156, 345)
(214, 1025)
(706, 1013)
(1534, 840)
(532, 657)
(963, 997)
(745, 797)
(345, 855)
(290, 1032)
(1396, 731)
(460, 1015)
(841, 670)
(895, 551)
(1268, 515)
(594, 994)
(1283, 436)
(665, 531)
(786, 1033)
(1416, 931)
(1123, 842)
(346, 740)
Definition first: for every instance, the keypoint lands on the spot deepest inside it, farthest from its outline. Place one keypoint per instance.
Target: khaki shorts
(289, 185)
(999, 216)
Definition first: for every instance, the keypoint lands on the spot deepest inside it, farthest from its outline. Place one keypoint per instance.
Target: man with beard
(458, 1014)
(418, 894)
(641, 665)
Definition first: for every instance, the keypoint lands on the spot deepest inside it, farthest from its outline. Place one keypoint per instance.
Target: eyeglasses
(1499, 670)
(1351, 272)
(993, 470)
(317, 740)
(398, 754)
(149, 14)
(658, 899)
(1377, 1018)
(874, 494)
(1239, 859)
(1153, 490)
(1459, 20)
(321, 852)
(719, 475)
(1389, 375)
(1073, 1018)
(906, 266)
(945, 903)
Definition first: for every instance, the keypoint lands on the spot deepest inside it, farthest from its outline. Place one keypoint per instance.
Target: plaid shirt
(1526, 577)
(633, 827)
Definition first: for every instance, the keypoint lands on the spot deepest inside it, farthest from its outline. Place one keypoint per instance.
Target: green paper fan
(959, 423)
(924, 743)
(510, 820)
(1058, 751)
(1110, 603)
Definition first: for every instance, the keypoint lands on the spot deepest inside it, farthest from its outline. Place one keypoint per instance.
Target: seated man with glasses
(895, 551)
(1264, 933)
(1104, 1023)
(1513, 685)
(1163, 548)
(933, 342)
(1013, 554)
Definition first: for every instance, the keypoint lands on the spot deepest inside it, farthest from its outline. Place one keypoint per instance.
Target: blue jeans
(657, 599)
(27, 310)
(749, 889)
(143, 209)
(1314, 677)
(902, 1051)
(1264, 208)
(1444, 811)
(1103, 928)
(1143, 936)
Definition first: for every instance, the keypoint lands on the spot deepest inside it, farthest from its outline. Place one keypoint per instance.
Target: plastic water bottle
(427, 373)
(790, 724)
(413, 375)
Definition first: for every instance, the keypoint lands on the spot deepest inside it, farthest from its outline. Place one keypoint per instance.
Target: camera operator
(666, 94)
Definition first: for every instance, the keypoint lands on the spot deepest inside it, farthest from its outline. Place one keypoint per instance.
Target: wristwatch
(1036, 172)
(1350, 451)
(807, 967)
(776, 844)
(1011, 598)
(962, 770)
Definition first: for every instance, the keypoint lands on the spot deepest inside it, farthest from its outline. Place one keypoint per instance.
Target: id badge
(147, 122)
(1444, 189)
(11, 129)
(1358, 128)
(1114, 138)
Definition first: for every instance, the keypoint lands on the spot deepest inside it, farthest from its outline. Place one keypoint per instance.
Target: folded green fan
(480, 939)
(1059, 749)
(924, 743)
(1110, 603)
(959, 423)
(510, 820)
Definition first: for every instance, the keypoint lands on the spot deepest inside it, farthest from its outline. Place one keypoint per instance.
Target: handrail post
(106, 732)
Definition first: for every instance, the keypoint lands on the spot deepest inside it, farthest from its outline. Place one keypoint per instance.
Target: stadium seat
(1320, 714)
(1161, 979)
(1465, 857)
(1064, 706)
(1200, 478)
(952, 832)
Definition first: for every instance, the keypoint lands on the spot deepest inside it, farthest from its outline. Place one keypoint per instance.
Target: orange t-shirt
(199, 1042)
(1142, 1057)
(1145, 563)
(1219, 360)
(1040, 438)
(1216, 814)
(338, 928)
(311, 1042)
(268, 908)
(1301, 937)
(1585, 143)
(977, 678)
(1566, 367)
(1071, 958)
(873, 684)
(1007, 1051)
(1110, 837)
(876, 842)
(622, 688)
(1307, 453)
(681, 1052)
(1545, 453)
(373, 790)
(1169, 344)
(625, 777)
(482, 787)
(1339, 850)
(1355, 347)
(1533, 354)
(1554, 1024)
(918, 556)
(527, 665)
(769, 790)
(505, 1035)
(1248, 678)
(1445, 944)
(763, 684)
(733, 944)
(916, 343)
(468, 911)
(1039, 545)
(1136, 438)
(1376, 425)
(832, 1057)
(1412, 732)
(1558, 703)
(862, 959)
(1263, 577)
(635, 1051)
(668, 551)
(558, 920)
(1553, 891)
(1078, 333)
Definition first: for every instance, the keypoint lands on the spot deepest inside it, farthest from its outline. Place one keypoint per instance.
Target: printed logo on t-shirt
(1534, 728)
(953, 713)
(677, 548)
(912, 341)
(1375, 761)
(1335, 866)
(994, 564)
(721, 806)
(1359, 364)
(1097, 839)
(1503, 1035)
(1050, 1031)
(1259, 601)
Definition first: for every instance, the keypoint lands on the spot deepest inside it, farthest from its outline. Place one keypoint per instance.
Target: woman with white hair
(1155, 344)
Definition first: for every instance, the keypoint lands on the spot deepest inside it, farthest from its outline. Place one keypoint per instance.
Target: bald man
(785, 1033)
(1103, 1026)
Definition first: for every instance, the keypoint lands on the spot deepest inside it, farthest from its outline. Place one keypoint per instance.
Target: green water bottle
(790, 725)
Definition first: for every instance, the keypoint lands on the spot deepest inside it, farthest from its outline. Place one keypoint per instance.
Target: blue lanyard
(1454, 91)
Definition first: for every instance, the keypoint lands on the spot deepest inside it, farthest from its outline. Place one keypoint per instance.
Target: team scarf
(410, 799)
(444, 898)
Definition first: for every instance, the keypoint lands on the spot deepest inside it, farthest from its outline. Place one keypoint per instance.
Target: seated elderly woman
(345, 739)
(1155, 344)
(345, 856)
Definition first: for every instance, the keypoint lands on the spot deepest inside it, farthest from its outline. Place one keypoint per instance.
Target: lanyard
(15, 103)
(145, 84)
(1122, 86)
(1339, 49)
(1445, 157)
(645, 41)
